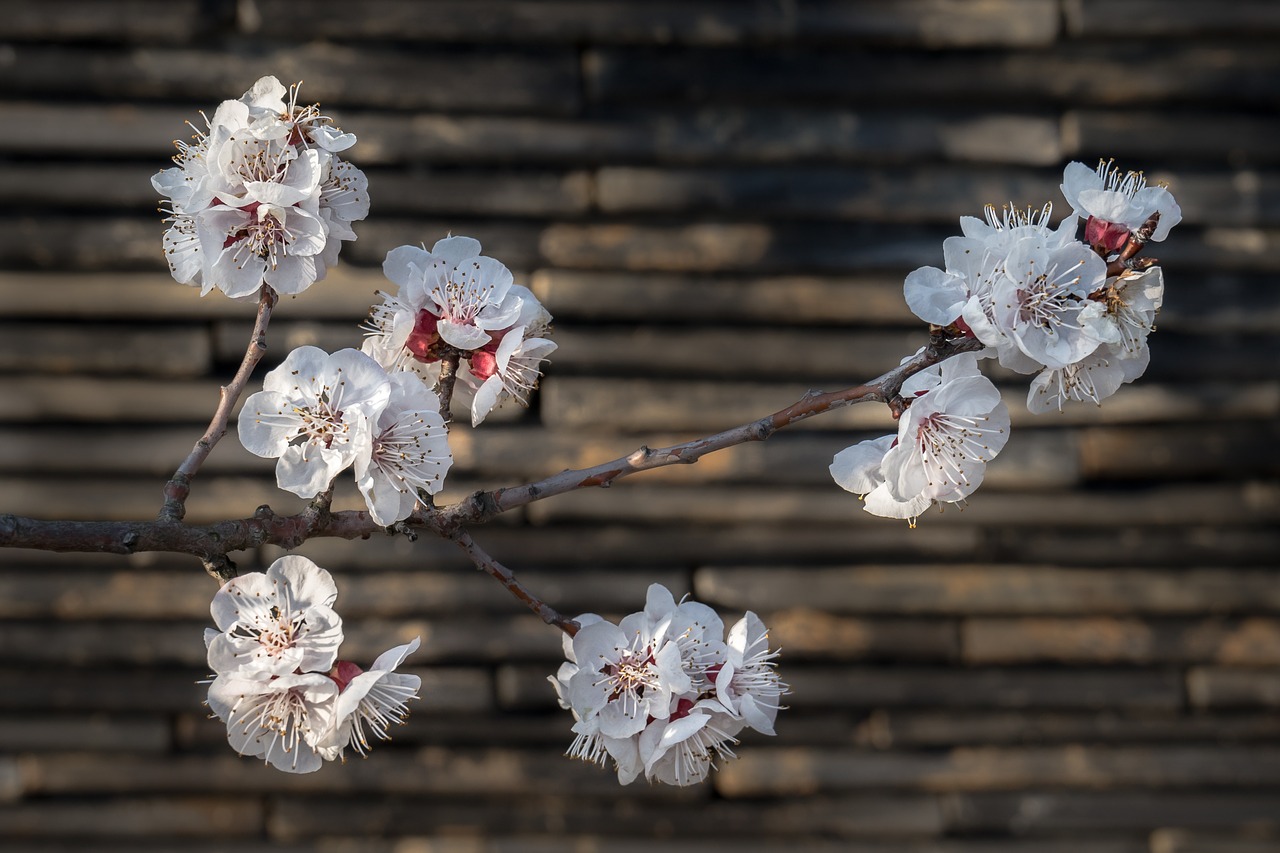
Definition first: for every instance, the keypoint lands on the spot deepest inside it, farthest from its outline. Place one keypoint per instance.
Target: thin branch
(444, 387)
(504, 576)
(484, 505)
(179, 485)
(212, 542)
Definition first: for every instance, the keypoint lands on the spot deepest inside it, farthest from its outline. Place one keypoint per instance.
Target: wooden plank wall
(718, 201)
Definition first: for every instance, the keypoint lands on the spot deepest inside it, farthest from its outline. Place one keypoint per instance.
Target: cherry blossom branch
(884, 389)
(504, 576)
(179, 485)
(212, 542)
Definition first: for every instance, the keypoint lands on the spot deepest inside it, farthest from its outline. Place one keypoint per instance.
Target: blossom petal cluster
(261, 196)
(454, 301)
(1074, 312)
(278, 683)
(320, 413)
(955, 425)
(664, 692)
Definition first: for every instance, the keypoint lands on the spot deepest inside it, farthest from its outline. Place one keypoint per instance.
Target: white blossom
(260, 196)
(1092, 379)
(369, 702)
(276, 622)
(1037, 303)
(315, 413)
(661, 693)
(513, 372)
(955, 424)
(277, 718)
(408, 451)
(1115, 203)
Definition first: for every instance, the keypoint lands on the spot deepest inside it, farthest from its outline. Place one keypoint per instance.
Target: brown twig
(179, 485)
(504, 576)
(1137, 240)
(212, 542)
(444, 387)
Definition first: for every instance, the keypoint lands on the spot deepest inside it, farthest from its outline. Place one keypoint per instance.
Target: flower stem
(448, 377)
(179, 485)
(504, 576)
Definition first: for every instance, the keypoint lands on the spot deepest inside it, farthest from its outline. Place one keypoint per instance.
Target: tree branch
(212, 542)
(179, 485)
(504, 576)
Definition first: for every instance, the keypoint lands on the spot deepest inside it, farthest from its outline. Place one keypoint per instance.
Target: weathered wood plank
(792, 772)
(928, 23)
(813, 634)
(429, 770)
(140, 817)
(72, 241)
(82, 732)
(989, 589)
(816, 300)
(86, 399)
(713, 133)
(728, 352)
(164, 21)
(505, 193)
(739, 247)
(1038, 813)
(548, 823)
(919, 194)
(344, 294)
(1079, 73)
(930, 729)
(1214, 687)
(1229, 450)
(1238, 642)
(1182, 841)
(57, 348)
(1099, 18)
(1223, 138)
(1191, 545)
(527, 80)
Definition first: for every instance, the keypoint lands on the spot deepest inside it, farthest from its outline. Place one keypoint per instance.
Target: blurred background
(718, 202)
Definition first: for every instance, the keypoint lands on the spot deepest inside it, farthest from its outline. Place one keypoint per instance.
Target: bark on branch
(211, 543)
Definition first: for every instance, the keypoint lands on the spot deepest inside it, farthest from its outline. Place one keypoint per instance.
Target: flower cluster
(261, 196)
(320, 413)
(278, 683)
(454, 301)
(663, 692)
(955, 425)
(1075, 313)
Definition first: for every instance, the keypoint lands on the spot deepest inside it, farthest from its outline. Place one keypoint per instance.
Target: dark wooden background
(718, 201)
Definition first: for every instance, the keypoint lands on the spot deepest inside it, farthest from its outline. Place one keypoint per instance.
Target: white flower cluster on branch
(279, 686)
(1075, 313)
(260, 204)
(662, 693)
(261, 196)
